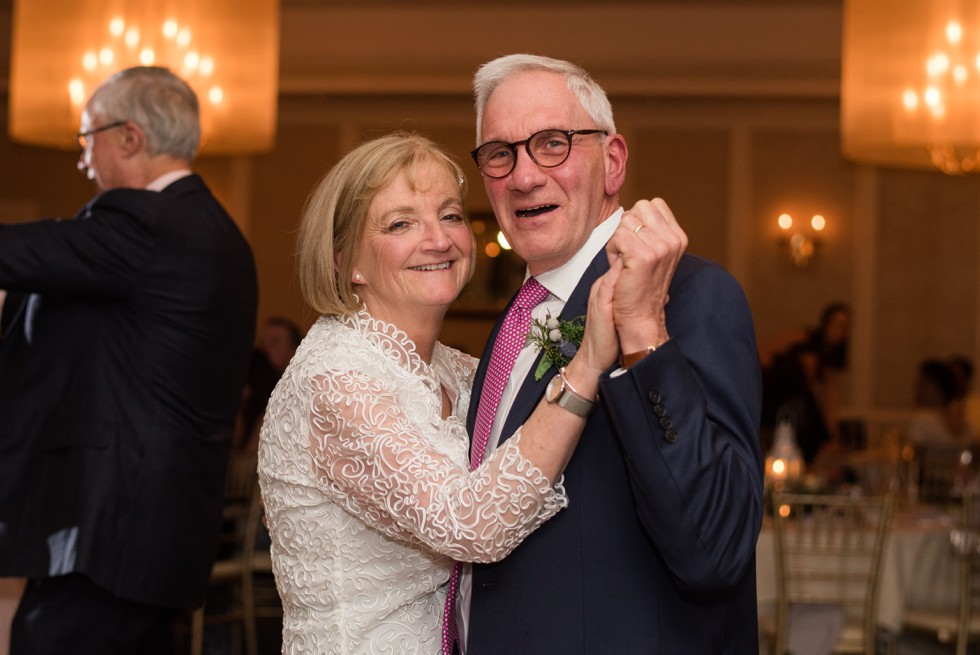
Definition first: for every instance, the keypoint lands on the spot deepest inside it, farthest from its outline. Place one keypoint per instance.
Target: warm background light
(910, 84)
(802, 241)
(227, 50)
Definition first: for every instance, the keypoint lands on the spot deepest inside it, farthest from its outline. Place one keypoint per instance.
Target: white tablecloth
(918, 569)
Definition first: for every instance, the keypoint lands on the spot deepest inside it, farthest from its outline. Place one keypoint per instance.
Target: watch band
(572, 400)
(628, 359)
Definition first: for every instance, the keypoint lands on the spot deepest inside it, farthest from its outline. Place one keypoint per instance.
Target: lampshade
(227, 50)
(910, 83)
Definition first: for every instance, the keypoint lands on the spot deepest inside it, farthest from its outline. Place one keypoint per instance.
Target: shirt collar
(167, 179)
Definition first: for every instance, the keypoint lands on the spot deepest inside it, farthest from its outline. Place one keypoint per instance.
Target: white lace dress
(367, 492)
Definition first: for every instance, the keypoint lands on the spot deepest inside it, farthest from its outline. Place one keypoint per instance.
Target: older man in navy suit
(656, 551)
(126, 338)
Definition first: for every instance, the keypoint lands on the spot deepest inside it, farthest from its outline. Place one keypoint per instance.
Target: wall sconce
(802, 242)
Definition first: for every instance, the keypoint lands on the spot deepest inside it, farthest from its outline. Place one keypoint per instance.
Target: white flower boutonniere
(557, 339)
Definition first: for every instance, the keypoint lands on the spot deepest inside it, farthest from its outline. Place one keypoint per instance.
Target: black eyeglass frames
(547, 148)
(80, 138)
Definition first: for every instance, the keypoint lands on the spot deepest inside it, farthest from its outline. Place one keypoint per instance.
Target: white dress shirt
(560, 283)
(167, 179)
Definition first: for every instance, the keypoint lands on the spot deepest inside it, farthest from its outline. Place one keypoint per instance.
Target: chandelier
(910, 84)
(227, 50)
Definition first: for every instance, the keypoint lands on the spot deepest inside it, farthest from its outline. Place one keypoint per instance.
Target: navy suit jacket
(656, 551)
(117, 407)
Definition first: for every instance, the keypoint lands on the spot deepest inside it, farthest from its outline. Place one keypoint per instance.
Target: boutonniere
(557, 339)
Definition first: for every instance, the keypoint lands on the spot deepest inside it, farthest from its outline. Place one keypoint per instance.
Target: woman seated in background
(943, 441)
(363, 453)
(937, 421)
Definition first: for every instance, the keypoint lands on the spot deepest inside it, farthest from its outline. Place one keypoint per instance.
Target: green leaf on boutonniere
(557, 339)
(543, 367)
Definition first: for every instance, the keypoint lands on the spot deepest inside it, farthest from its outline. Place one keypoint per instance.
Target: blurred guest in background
(939, 432)
(789, 393)
(277, 343)
(259, 383)
(121, 370)
(816, 356)
(966, 400)
(937, 420)
(278, 339)
(962, 369)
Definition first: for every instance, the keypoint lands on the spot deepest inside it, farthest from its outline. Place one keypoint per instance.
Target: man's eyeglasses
(82, 137)
(547, 148)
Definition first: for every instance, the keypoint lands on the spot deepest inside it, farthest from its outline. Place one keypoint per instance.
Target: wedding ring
(638, 228)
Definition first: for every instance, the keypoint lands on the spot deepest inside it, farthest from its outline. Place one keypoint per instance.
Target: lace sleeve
(374, 461)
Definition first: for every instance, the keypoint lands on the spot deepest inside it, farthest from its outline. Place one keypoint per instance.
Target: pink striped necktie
(510, 341)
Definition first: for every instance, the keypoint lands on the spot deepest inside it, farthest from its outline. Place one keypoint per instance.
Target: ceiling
(723, 48)
(694, 48)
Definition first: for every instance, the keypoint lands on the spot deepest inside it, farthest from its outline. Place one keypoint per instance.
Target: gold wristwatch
(561, 393)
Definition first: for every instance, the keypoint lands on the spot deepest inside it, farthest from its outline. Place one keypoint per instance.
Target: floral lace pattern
(367, 493)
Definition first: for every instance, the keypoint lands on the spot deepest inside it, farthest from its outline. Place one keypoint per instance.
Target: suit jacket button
(659, 411)
(670, 436)
(666, 423)
(655, 397)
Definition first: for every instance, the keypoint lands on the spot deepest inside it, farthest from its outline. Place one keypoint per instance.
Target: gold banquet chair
(939, 472)
(828, 557)
(963, 623)
(239, 563)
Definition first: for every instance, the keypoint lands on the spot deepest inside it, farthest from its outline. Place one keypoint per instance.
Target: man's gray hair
(592, 96)
(162, 104)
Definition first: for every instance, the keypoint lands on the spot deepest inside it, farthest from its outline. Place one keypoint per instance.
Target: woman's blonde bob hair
(336, 213)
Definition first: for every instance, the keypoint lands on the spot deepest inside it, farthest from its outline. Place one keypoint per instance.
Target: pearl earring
(357, 277)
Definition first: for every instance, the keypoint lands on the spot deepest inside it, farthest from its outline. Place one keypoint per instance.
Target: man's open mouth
(535, 211)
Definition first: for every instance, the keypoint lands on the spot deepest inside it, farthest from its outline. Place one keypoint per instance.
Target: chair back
(238, 557)
(828, 553)
(241, 481)
(242, 476)
(965, 539)
(963, 623)
(941, 472)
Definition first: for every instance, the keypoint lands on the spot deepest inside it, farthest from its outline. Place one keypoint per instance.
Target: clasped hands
(627, 304)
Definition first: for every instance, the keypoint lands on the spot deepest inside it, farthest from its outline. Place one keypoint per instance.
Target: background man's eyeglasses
(81, 137)
(547, 148)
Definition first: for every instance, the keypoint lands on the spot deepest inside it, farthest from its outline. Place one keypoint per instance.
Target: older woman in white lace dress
(363, 453)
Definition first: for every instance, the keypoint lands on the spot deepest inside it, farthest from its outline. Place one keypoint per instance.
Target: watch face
(554, 389)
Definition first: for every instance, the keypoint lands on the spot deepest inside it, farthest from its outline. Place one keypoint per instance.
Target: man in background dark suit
(125, 345)
(656, 550)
